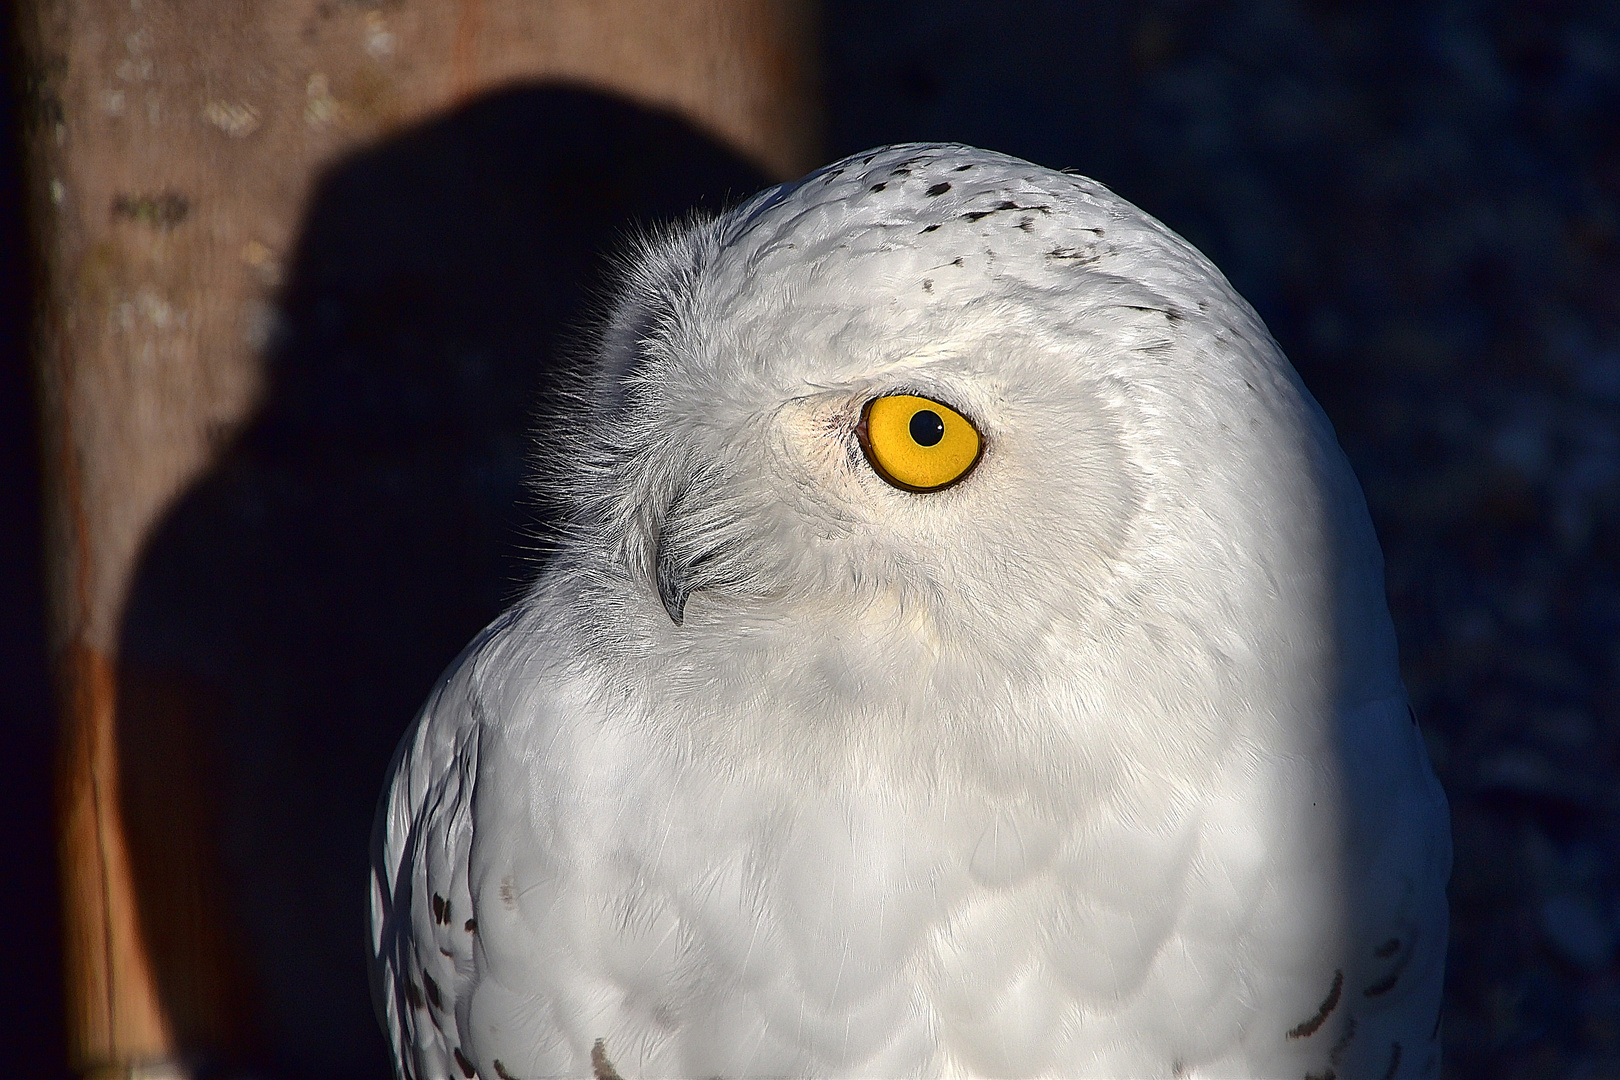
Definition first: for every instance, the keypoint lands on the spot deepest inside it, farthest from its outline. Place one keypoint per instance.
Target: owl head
(942, 411)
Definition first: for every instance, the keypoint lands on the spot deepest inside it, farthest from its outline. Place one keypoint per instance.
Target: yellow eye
(917, 444)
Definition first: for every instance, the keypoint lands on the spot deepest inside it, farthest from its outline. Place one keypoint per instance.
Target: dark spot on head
(928, 284)
(163, 211)
(1394, 1061)
(463, 1063)
(1388, 948)
(1307, 1028)
(939, 189)
(963, 168)
(433, 996)
(471, 926)
(930, 228)
(879, 186)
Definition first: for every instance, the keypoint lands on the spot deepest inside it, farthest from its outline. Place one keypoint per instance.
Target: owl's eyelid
(926, 393)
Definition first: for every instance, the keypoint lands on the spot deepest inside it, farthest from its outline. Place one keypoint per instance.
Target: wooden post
(171, 145)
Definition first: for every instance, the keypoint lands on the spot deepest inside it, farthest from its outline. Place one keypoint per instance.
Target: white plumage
(1095, 763)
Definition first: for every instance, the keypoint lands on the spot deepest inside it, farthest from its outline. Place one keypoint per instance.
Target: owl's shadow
(294, 608)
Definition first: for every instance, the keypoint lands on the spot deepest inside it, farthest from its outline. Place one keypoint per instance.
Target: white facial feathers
(1107, 364)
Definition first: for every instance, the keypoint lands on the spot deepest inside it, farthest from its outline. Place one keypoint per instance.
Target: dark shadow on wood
(295, 606)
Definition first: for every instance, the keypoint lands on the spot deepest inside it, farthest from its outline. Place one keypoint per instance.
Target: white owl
(967, 655)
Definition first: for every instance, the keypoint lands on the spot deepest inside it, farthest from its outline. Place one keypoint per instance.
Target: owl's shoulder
(425, 934)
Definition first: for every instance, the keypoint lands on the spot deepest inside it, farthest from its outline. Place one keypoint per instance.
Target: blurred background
(1421, 198)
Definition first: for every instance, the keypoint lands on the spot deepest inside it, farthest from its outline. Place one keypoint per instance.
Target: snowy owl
(966, 655)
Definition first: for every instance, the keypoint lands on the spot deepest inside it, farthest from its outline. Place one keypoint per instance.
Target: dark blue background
(1422, 199)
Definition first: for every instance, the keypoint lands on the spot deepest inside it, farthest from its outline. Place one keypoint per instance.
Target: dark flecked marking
(928, 284)
(939, 189)
(413, 994)
(500, 1070)
(879, 186)
(1387, 983)
(441, 909)
(1336, 1055)
(1384, 985)
(963, 168)
(1331, 1002)
(957, 261)
(930, 228)
(601, 1067)
(1394, 1061)
(471, 926)
(1388, 948)
(1004, 204)
(433, 996)
(1172, 314)
(463, 1063)
(902, 171)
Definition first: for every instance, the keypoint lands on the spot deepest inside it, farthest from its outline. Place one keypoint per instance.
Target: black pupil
(926, 427)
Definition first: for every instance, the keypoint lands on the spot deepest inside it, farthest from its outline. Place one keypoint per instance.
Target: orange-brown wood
(171, 146)
(112, 998)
